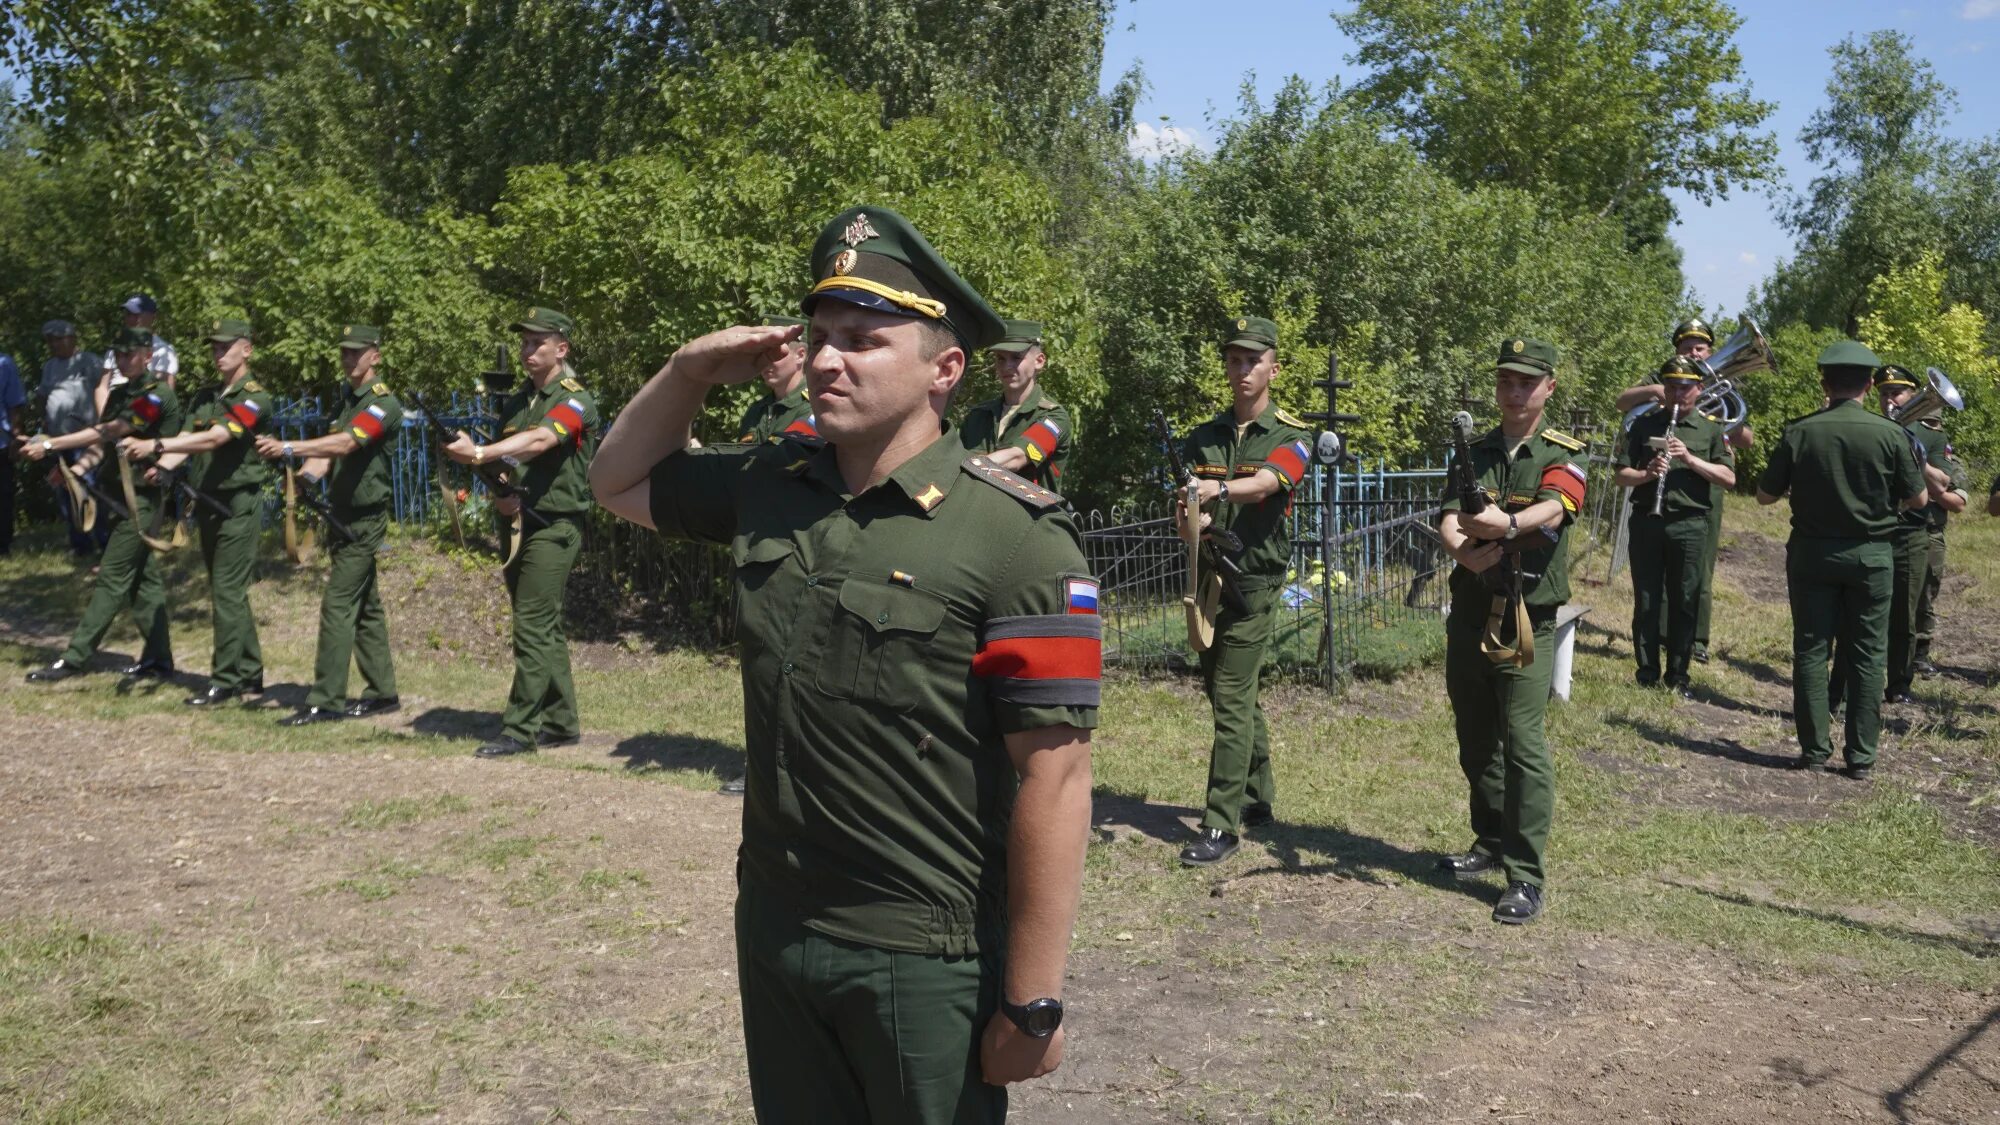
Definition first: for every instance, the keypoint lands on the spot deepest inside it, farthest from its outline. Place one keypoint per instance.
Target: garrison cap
(228, 330)
(787, 322)
(360, 336)
(1849, 353)
(140, 303)
(1695, 328)
(1680, 368)
(1893, 376)
(540, 319)
(874, 258)
(1254, 332)
(1529, 357)
(57, 329)
(1021, 335)
(131, 340)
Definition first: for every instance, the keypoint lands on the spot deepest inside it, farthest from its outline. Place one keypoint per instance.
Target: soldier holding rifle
(1519, 485)
(353, 459)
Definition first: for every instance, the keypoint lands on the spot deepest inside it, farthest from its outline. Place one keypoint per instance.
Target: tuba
(1744, 354)
(1929, 402)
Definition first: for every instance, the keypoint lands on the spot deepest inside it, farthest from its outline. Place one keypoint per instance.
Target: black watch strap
(1038, 1018)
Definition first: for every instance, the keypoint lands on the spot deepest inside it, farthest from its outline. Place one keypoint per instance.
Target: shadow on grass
(1706, 694)
(679, 752)
(1727, 749)
(1762, 671)
(1979, 676)
(1972, 946)
(456, 722)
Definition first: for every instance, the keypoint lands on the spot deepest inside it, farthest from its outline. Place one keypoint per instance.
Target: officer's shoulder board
(801, 438)
(252, 387)
(1558, 438)
(1048, 404)
(572, 386)
(379, 389)
(1019, 487)
(1290, 419)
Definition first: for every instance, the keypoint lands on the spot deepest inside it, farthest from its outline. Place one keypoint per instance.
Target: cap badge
(843, 262)
(1242, 325)
(859, 231)
(347, 330)
(217, 327)
(1520, 346)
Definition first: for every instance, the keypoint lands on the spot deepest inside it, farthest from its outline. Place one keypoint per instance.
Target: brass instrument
(1744, 354)
(1929, 402)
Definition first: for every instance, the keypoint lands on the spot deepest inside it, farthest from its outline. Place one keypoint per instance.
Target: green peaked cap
(874, 258)
(1021, 335)
(360, 336)
(131, 339)
(542, 319)
(1254, 332)
(1848, 353)
(1526, 355)
(228, 330)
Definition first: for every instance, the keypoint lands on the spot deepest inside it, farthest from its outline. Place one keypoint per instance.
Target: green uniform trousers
(1239, 761)
(1498, 710)
(229, 550)
(1913, 556)
(1840, 591)
(1667, 583)
(1926, 626)
(351, 621)
(543, 699)
(840, 1033)
(129, 574)
(1708, 552)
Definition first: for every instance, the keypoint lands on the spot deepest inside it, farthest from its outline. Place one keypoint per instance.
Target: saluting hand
(733, 355)
(1007, 1054)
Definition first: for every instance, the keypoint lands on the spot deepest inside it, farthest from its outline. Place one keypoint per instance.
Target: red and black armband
(1567, 481)
(1051, 660)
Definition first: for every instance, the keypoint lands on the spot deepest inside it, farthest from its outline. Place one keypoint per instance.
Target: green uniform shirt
(771, 415)
(243, 410)
(1939, 455)
(359, 482)
(146, 404)
(557, 483)
(1687, 491)
(1541, 468)
(1847, 471)
(889, 641)
(1040, 429)
(1219, 449)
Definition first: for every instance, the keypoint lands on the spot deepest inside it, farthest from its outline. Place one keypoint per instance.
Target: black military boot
(55, 673)
(1211, 845)
(1471, 865)
(1519, 905)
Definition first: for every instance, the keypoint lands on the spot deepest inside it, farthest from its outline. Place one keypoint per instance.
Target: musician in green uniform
(1024, 430)
(784, 408)
(1499, 689)
(1248, 459)
(1682, 451)
(222, 426)
(353, 459)
(143, 405)
(1895, 387)
(548, 432)
(1849, 474)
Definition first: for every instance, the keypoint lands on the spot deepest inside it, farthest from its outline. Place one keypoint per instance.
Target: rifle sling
(151, 534)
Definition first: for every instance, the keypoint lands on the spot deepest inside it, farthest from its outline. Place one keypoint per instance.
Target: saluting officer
(1694, 465)
(1248, 459)
(1499, 695)
(353, 459)
(1849, 474)
(548, 433)
(784, 409)
(222, 424)
(920, 674)
(1024, 430)
(142, 405)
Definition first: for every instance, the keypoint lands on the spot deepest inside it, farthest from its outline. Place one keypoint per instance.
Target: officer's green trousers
(128, 574)
(229, 550)
(543, 700)
(1666, 554)
(1840, 590)
(1498, 710)
(1239, 761)
(1708, 552)
(840, 1033)
(1927, 604)
(351, 621)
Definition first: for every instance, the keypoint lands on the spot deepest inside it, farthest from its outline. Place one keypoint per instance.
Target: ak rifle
(494, 473)
(1506, 578)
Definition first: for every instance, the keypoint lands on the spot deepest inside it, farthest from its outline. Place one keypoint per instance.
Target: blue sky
(1197, 53)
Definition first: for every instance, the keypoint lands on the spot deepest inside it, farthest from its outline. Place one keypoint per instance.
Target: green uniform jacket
(1939, 454)
(1541, 468)
(1041, 429)
(243, 410)
(771, 416)
(358, 484)
(890, 640)
(1687, 491)
(557, 483)
(149, 406)
(1273, 440)
(1847, 471)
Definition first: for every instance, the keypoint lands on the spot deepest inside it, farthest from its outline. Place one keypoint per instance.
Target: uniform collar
(920, 483)
(796, 398)
(1261, 422)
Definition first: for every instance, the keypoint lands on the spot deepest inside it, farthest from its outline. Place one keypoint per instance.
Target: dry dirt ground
(398, 931)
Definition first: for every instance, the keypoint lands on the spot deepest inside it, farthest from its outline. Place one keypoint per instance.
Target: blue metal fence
(412, 454)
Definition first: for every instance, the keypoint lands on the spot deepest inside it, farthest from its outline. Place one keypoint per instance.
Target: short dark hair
(1845, 379)
(934, 337)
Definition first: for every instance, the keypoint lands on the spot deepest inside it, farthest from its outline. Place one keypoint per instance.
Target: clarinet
(1660, 486)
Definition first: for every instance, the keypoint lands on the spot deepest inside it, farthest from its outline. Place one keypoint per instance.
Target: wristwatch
(1222, 492)
(288, 449)
(1038, 1018)
(478, 454)
(48, 446)
(1513, 525)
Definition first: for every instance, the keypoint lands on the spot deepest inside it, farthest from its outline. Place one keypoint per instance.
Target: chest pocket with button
(876, 647)
(758, 562)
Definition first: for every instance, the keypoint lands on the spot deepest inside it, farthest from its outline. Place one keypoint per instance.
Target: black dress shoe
(212, 695)
(1212, 845)
(1857, 773)
(310, 716)
(1681, 688)
(1899, 697)
(1519, 905)
(1471, 865)
(502, 747)
(1258, 816)
(1804, 763)
(380, 705)
(546, 741)
(1699, 655)
(55, 672)
(148, 669)
(1926, 668)
(734, 787)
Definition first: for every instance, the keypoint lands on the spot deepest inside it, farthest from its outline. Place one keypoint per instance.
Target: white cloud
(1709, 267)
(1979, 9)
(1747, 258)
(1150, 142)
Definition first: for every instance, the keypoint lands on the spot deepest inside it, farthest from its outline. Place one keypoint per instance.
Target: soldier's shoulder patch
(1557, 437)
(379, 389)
(253, 387)
(571, 385)
(1290, 419)
(1019, 487)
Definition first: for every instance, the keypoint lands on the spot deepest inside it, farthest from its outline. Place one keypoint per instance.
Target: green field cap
(1528, 356)
(228, 330)
(131, 340)
(874, 258)
(540, 319)
(1021, 335)
(360, 336)
(1254, 332)
(1848, 353)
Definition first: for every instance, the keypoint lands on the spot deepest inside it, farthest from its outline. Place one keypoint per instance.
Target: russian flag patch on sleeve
(1566, 480)
(245, 413)
(368, 425)
(1042, 439)
(147, 409)
(1290, 460)
(1080, 595)
(566, 418)
(807, 426)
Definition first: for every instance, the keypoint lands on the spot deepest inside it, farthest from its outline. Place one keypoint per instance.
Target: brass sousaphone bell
(1930, 402)
(1744, 354)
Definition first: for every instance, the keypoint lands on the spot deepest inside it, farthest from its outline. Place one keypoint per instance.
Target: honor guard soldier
(1023, 431)
(145, 407)
(1682, 451)
(1946, 478)
(784, 410)
(1248, 459)
(353, 459)
(222, 426)
(1849, 473)
(1499, 693)
(549, 431)
(921, 650)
